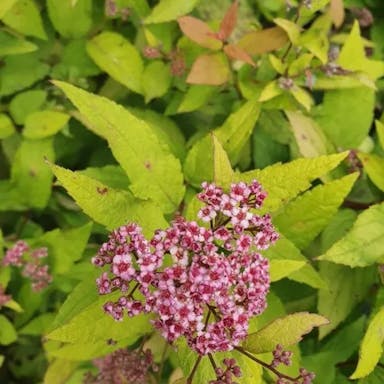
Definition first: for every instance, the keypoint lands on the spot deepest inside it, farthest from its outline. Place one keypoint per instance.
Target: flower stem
(190, 377)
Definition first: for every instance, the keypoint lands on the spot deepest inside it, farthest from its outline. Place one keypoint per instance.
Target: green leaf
(217, 167)
(380, 132)
(119, 58)
(111, 175)
(284, 259)
(304, 218)
(25, 103)
(195, 97)
(41, 124)
(371, 347)
(167, 10)
(285, 331)
(154, 172)
(363, 245)
(346, 288)
(59, 371)
(302, 97)
(38, 325)
(309, 137)
(6, 126)
(271, 90)
(65, 247)
(11, 45)
(352, 55)
(29, 173)
(1, 360)
(292, 29)
(107, 206)
(21, 71)
(284, 181)
(24, 17)
(72, 19)
(5, 6)
(374, 166)
(346, 115)
(156, 80)
(309, 276)
(237, 129)
(8, 334)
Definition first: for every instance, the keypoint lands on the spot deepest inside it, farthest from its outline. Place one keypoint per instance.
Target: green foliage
(116, 111)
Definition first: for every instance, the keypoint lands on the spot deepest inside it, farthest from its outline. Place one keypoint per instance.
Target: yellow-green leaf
(118, 57)
(155, 173)
(108, 206)
(292, 29)
(374, 166)
(271, 90)
(6, 126)
(371, 347)
(302, 96)
(156, 80)
(380, 132)
(363, 245)
(6, 5)
(167, 10)
(41, 124)
(285, 331)
(12, 45)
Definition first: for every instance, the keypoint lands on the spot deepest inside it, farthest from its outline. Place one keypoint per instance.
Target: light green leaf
(167, 10)
(25, 103)
(119, 58)
(217, 168)
(371, 347)
(154, 172)
(374, 166)
(14, 305)
(65, 247)
(6, 126)
(308, 275)
(107, 206)
(299, 65)
(5, 6)
(346, 288)
(195, 97)
(111, 175)
(24, 17)
(363, 245)
(304, 218)
(11, 45)
(285, 181)
(29, 173)
(41, 124)
(8, 334)
(271, 90)
(346, 115)
(21, 71)
(237, 129)
(284, 259)
(277, 64)
(285, 331)
(38, 325)
(156, 80)
(309, 137)
(164, 128)
(380, 132)
(71, 19)
(352, 55)
(302, 97)
(353, 80)
(59, 371)
(292, 29)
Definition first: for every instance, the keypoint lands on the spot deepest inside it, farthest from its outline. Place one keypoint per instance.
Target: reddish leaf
(337, 12)
(209, 69)
(229, 21)
(199, 32)
(265, 40)
(237, 53)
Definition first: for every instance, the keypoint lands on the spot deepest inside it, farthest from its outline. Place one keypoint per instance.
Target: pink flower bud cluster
(201, 283)
(225, 376)
(3, 297)
(123, 367)
(305, 377)
(281, 357)
(20, 255)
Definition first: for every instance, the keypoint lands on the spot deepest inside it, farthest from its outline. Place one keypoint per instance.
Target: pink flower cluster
(201, 283)
(3, 297)
(225, 376)
(123, 367)
(281, 357)
(20, 255)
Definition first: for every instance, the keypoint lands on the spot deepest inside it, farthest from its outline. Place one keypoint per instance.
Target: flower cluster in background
(201, 283)
(123, 367)
(30, 262)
